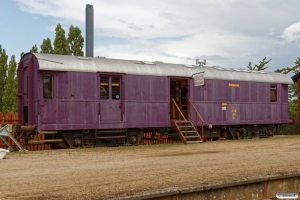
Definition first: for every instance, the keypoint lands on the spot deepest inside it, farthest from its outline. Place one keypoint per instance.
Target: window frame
(51, 90)
(273, 89)
(112, 90)
(118, 88)
(106, 88)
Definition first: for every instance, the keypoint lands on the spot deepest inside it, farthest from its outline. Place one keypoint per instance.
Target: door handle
(99, 108)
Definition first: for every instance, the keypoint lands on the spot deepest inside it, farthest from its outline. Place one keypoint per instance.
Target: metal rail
(197, 114)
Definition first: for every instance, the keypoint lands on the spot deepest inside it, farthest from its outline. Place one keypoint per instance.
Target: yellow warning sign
(233, 112)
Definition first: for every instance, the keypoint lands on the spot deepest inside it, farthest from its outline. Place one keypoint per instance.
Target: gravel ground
(105, 172)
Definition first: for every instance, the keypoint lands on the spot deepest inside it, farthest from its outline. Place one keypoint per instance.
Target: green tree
(75, 41)
(34, 49)
(9, 98)
(293, 69)
(60, 42)
(3, 73)
(293, 101)
(46, 46)
(261, 66)
(22, 54)
(293, 92)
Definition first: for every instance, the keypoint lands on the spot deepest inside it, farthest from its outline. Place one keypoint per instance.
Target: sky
(227, 33)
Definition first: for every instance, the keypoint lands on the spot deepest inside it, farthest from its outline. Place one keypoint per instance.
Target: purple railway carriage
(79, 101)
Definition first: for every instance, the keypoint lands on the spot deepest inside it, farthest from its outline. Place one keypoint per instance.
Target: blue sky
(228, 33)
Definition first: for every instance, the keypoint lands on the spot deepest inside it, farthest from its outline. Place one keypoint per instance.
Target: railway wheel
(270, 132)
(77, 142)
(133, 139)
(58, 145)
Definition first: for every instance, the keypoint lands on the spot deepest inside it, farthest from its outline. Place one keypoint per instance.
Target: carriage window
(48, 86)
(273, 93)
(115, 82)
(104, 89)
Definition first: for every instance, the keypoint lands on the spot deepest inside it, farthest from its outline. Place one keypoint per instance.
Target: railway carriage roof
(55, 62)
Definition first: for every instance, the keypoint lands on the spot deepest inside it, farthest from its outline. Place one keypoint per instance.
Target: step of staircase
(194, 136)
(189, 132)
(186, 131)
(196, 141)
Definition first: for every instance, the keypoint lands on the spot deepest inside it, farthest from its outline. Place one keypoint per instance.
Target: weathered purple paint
(251, 100)
(144, 101)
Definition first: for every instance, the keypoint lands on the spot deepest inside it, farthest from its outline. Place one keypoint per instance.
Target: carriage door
(25, 95)
(179, 92)
(48, 99)
(110, 98)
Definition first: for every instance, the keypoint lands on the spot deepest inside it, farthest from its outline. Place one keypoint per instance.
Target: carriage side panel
(146, 101)
(246, 102)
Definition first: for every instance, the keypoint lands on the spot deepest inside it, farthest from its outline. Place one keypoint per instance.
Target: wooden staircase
(186, 131)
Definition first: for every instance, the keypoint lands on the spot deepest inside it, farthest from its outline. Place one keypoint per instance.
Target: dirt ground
(100, 173)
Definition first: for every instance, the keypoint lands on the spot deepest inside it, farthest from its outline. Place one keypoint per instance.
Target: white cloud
(292, 33)
(50, 28)
(271, 32)
(224, 31)
(220, 49)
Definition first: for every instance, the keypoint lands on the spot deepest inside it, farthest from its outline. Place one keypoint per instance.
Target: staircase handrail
(174, 103)
(196, 110)
(202, 137)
